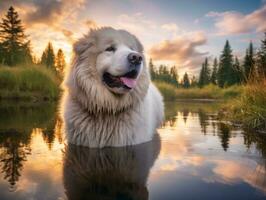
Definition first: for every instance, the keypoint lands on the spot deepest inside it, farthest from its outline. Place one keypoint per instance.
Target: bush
(167, 90)
(250, 107)
(170, 92)
(28, 82)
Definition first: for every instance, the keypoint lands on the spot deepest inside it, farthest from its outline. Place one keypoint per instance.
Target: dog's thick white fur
(99, 115)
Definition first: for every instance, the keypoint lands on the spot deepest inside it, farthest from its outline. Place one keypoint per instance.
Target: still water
(194, 156)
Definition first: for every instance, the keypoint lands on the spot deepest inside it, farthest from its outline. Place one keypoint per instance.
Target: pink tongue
(129, 82)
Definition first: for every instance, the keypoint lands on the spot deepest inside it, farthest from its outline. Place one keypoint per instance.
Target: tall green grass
(170, 92)
(250, 108)
(28, 82)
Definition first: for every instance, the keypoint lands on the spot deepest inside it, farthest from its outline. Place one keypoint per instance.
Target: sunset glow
(178, 33)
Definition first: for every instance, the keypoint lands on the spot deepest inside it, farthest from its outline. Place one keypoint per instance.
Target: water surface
(194, 156)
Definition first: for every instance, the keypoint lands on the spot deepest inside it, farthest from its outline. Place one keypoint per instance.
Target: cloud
(231, 171)
(45, 11)
(172, 27)
(68, 34)
(233, 22)
(214, 14)
(91, 24)
(137, 23)
(177, 46)
(181, 50)
(39, 11)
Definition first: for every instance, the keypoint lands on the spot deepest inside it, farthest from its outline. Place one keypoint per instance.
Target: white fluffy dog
(109, 99)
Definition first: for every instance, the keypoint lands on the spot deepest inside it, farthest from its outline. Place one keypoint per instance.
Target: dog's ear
(83, 44)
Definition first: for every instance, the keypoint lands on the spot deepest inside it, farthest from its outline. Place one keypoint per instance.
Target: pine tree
(204, 77)
(60, 63)
(186, 83)
(1, 54)
(249, 62)
(207, 74)
(174, 75)
(225, 66)
(27, 54)
(160, 69)
(224, 135)
(43, 58)
(237, 75)
(246, 66)
(214, 72)
(193, 81)
(14, 44)
(48, 56)
(165, 71)
(152, 70)
(201, 76)
(261, 58)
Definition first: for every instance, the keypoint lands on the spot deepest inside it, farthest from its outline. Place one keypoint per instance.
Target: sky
(181, 32)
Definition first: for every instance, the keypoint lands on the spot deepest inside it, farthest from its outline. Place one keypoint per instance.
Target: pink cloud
(233, 22)
(182, 50)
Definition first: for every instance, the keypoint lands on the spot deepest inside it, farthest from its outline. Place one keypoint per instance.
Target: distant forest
(15, 47)
(226, 71)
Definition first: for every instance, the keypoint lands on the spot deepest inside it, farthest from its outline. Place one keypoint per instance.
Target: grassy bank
(28, 83)
(250, 108)
(245, 105)
(170, 92)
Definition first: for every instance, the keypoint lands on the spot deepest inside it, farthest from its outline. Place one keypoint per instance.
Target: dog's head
(109, 69)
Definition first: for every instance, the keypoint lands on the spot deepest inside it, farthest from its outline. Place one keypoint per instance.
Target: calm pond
(194, 156)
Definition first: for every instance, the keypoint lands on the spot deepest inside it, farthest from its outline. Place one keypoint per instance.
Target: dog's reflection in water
(109, 173)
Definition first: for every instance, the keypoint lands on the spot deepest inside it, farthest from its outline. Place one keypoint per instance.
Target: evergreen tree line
(225, 72)
(164, 74)
(230, 71)
(15, 47)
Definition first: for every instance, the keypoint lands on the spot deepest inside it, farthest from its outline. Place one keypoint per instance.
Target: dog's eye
(111, 48)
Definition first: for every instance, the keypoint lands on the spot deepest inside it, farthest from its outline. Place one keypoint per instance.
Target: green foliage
(194, 81)
(204, 77)
(261, 59)
(33, 82)
(48, 56)
(186, 83)
(14, 47)
(214, 72)
(250, 107)
(163, 74)
(167, 90)
(249, 63)
(152, 69)
(174, 76)
(60, 63)
(225, 71)
(210, 91)
(237, 73)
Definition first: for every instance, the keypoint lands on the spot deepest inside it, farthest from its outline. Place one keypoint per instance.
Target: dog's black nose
(134, 58)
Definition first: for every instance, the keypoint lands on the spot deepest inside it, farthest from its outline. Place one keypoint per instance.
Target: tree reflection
(109, 173)
(14, 150)
(185, 115)
(203, 119)
(224, 135)
(17, 123)
(52, 131)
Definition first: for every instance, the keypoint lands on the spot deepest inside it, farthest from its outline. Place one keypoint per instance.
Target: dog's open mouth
(127, 81)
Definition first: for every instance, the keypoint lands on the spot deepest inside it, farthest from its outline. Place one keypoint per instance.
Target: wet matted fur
(97, 116)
